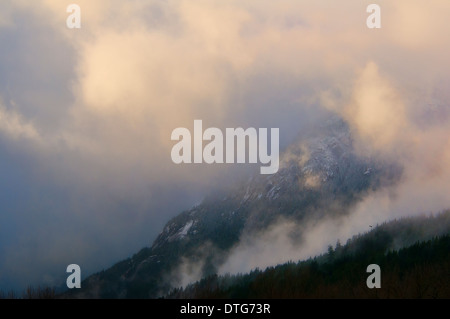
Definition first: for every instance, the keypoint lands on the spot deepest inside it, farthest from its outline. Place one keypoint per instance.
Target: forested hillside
(421, 270)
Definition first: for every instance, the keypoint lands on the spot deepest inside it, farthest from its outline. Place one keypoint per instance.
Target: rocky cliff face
(320, 175)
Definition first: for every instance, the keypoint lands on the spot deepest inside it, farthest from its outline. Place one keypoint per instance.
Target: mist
(384, 127)
(86, 116)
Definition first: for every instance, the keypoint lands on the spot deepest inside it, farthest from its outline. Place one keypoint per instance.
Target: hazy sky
(86, 114)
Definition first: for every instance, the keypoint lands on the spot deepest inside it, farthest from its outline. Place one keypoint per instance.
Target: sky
(86, 114)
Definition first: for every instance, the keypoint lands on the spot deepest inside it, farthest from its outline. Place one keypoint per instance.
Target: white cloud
(138, 69)
(16, 127)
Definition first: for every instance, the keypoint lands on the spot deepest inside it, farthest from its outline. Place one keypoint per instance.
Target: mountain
(320, 175)
(419, 270)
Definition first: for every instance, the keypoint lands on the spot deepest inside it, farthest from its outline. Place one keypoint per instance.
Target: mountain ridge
(320, 175)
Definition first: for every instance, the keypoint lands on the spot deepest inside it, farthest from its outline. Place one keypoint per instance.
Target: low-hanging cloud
(86, 115)
(384, 125)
